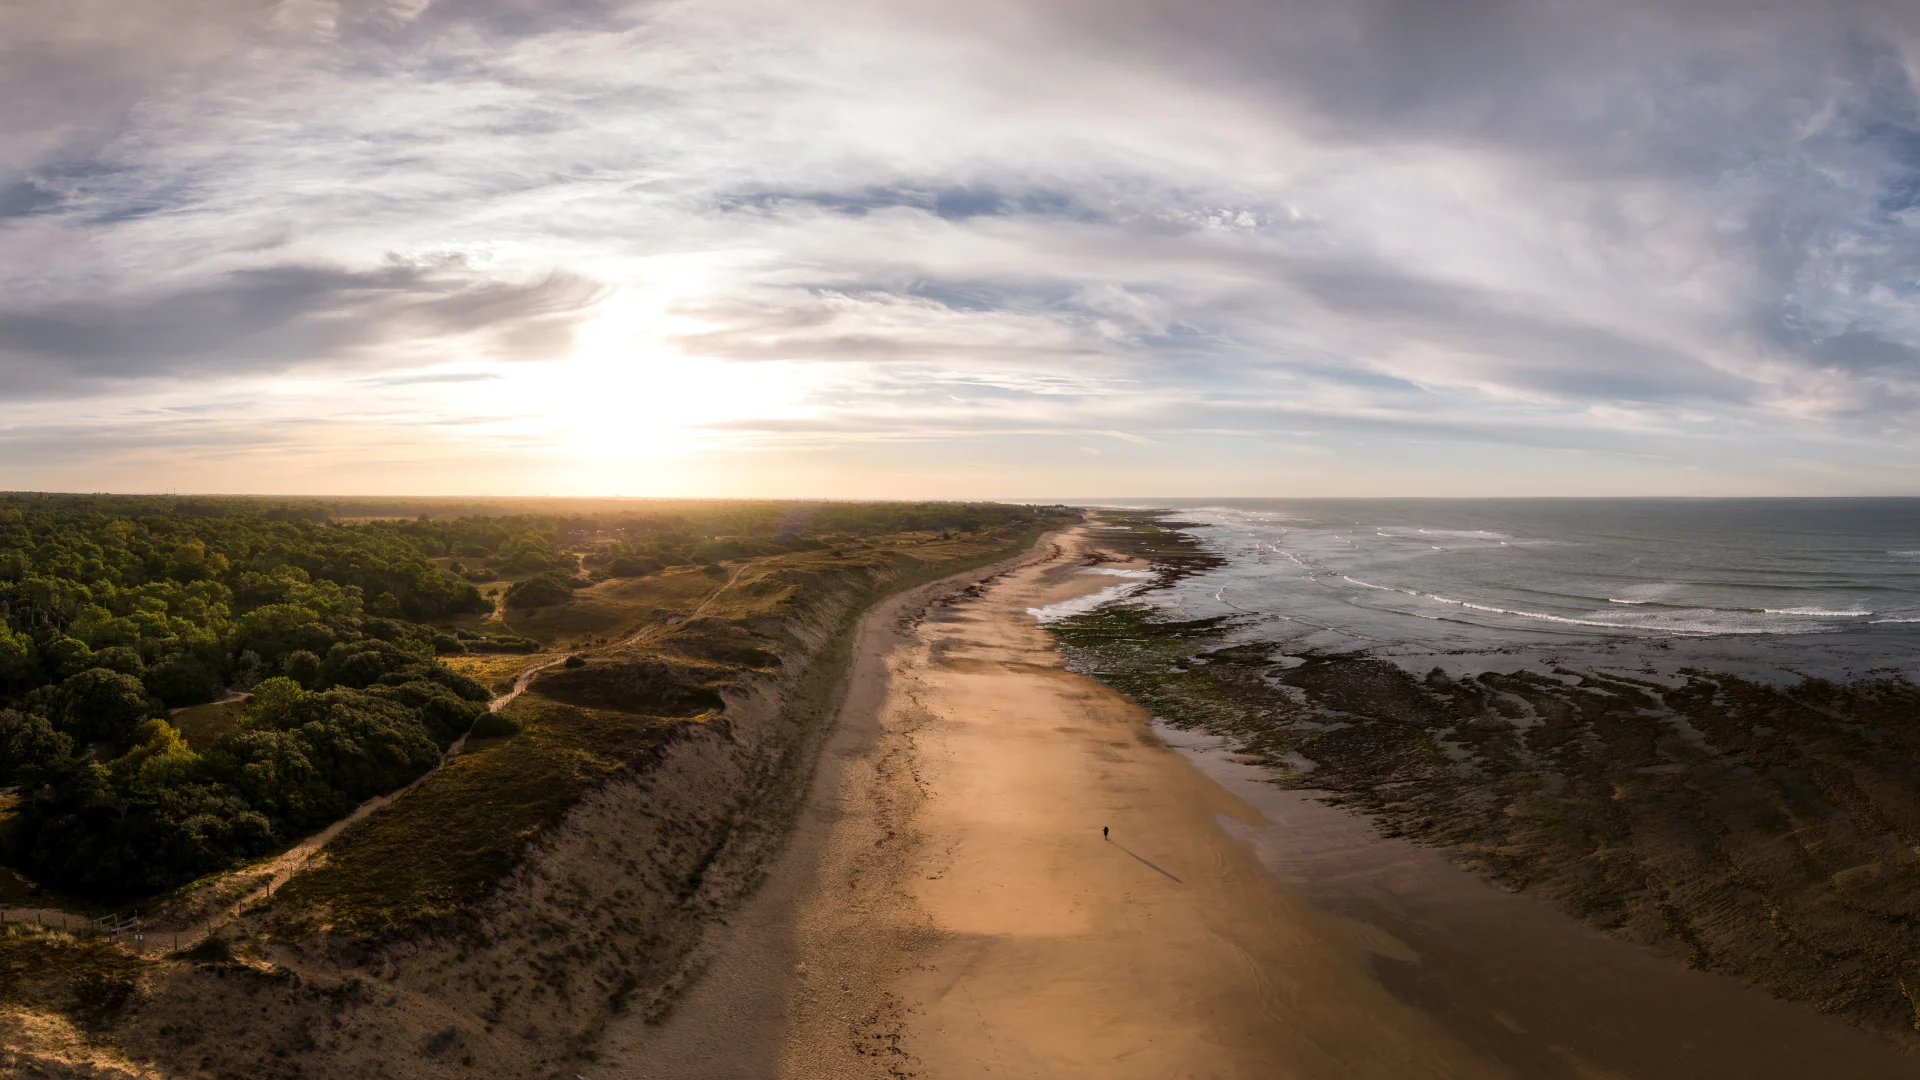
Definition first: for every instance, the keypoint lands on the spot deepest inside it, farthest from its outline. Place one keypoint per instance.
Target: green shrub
(544, 590)
(495, 725)
(632, 566)
(505, 643)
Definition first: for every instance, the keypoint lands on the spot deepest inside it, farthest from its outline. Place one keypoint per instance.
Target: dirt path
(232, 696)
(262, 878)
(949, 908)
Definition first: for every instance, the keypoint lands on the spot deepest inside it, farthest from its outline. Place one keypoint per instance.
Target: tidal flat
(1767, 830)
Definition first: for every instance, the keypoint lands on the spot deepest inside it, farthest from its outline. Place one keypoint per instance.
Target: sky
(1001, 249)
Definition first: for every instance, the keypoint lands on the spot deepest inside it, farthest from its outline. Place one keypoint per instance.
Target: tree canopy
(116, 609)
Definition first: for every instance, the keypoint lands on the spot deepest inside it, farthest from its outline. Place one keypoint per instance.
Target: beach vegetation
(116, 611)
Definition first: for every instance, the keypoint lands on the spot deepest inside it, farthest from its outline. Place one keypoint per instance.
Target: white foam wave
(1110, 571)
(1877, 621)
(1694, 621)
(1290, 555)
(1466, 534)
(1672, 621)
(1647, 592)
(1080, 605)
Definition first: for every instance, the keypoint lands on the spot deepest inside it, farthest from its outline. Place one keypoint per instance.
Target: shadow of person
(1145, 863)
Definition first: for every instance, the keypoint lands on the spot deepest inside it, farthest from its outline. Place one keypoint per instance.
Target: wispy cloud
(1673, 243)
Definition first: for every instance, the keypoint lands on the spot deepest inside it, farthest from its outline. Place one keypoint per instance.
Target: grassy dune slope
(491, 920)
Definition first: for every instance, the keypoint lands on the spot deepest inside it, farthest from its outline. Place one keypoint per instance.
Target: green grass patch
(204, 725)
(442, 846)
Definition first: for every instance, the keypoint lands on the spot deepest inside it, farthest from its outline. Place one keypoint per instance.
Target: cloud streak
(1675, 242)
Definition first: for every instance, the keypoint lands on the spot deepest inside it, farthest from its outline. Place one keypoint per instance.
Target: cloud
(430, 379)
(1634, 230)
(275, 317)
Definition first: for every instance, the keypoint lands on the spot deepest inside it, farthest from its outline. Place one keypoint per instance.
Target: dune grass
(444, 845)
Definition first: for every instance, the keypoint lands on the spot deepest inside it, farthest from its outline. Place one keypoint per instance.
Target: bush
(443, 644)
(576, 661)
(541, 591)
(505, 643)
(632, 566)
(495, 725)
(393, 630)
(440, 675)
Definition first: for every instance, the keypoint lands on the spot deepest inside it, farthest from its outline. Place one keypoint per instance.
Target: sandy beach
(948, 907)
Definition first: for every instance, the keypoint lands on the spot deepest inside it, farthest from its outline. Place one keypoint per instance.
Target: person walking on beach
(1103, 832)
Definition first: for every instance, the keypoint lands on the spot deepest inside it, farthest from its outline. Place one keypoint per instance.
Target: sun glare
(625, 393)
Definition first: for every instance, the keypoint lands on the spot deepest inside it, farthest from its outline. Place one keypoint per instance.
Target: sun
(625, 393)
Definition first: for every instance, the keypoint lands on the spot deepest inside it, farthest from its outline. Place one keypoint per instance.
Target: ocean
(1771, 588)
(1679, 720)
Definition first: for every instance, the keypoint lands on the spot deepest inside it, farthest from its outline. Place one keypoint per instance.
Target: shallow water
(1542, 994)
(1768, 587)
(1137, 581)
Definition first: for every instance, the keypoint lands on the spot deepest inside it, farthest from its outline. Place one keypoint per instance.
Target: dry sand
(948, 908)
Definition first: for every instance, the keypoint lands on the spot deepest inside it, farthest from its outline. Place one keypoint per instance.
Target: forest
(116, 609)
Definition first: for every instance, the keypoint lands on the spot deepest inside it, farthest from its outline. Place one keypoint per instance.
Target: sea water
(1778, 587)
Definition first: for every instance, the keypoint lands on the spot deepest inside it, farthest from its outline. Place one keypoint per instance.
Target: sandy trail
(264, 877)
(948, 908)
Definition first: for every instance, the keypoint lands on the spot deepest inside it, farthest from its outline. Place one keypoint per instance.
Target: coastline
(948, 908)
(730, 1019)
(1763, 830)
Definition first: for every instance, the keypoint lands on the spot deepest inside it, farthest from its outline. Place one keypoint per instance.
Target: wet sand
(948, 908)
